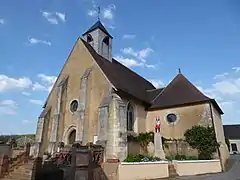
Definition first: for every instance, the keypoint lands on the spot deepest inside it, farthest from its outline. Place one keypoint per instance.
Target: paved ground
(232, 174)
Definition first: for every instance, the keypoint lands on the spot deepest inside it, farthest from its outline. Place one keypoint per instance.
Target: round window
(171, 118)
(74, 106)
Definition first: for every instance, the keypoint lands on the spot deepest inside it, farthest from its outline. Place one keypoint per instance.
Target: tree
(203, 139)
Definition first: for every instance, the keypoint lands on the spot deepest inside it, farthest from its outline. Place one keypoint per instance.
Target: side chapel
(97, 99)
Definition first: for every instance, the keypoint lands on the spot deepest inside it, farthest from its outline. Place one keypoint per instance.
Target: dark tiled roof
(121, 77)
(99, 25)
(180, 91)
(153, 93)
(232, 131)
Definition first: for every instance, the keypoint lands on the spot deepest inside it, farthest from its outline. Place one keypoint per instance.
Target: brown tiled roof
(180, 91)
(232, 131)
(121, 77)
(153, 93)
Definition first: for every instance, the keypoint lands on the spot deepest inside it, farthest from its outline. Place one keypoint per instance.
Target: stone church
(97, 99)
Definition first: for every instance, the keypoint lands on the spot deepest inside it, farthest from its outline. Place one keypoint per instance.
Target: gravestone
(158, 148)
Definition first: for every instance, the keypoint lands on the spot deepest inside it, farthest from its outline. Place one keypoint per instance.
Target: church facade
(97, 99)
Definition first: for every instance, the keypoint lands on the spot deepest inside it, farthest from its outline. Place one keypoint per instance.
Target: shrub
(141, 158)
(180, 157)
(143, 139)
(203, 139)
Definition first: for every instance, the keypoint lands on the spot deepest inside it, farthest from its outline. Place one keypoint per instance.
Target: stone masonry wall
(78, 61)
(187, 117)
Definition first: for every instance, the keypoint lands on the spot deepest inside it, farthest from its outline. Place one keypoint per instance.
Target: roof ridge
(196, 87)
(164, 89)
(174, 79)
(155, 89)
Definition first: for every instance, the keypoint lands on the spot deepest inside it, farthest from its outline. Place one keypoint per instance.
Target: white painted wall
(236, 141)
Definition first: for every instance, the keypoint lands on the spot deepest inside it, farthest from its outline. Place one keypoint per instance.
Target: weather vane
(99, 11)
(179, 70)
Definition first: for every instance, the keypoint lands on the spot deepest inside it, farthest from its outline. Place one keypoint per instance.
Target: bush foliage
(203, 139)
(143, 139)
(141, 158)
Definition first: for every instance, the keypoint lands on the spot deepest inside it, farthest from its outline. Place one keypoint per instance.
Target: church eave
(214, 103)
(97, 25)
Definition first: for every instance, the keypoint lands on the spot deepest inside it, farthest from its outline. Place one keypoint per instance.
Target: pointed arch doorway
(72, 137)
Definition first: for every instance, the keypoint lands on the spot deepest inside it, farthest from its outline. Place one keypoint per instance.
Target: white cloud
(9, 83)
(220, 76)
(47, 81)
(150, 65)
(2, 21)
(108, 13)
(26, 93)
(36, 87)
(145, 53)
(38, 41)
(111, 27)
(227, 105)
(8, 107)
(128, 61)
(157, 83)
(54, 17)
(129, 36)
(92, 12)
(129, 51)
(35, 101)
(226, 90)
(226, 87)
(141, 54)
(236, 69)
(61, 16)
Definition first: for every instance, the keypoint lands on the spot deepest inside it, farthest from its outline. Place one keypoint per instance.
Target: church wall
(187, 117)
(140, 119)
(98, 90)
(79, 60)
(224, 153)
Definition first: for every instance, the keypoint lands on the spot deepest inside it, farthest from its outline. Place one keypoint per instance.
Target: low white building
(232, 132)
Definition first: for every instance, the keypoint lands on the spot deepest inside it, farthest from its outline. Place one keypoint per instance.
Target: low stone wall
(179, 147)
(6, 150)
(142, 170)
(194, 167)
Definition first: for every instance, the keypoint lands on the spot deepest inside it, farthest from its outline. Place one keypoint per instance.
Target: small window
(234, 147)
(171, 118)
(130, 117)
(106, 40)
(74, 106)
(89, 38)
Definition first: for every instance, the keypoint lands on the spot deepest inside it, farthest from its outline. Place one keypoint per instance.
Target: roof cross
(179, 70)
(99, 11)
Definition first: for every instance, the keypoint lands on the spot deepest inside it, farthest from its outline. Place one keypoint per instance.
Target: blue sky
(154, 38)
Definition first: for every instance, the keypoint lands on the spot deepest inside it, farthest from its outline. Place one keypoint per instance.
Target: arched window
(89, 38)
(71, 137)
(106, 40)
(130, 117)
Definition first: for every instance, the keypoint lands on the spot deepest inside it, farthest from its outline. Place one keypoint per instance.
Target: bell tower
(99, 38)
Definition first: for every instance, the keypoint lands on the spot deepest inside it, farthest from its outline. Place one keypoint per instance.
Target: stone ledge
(197, 161)
(134, 163)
